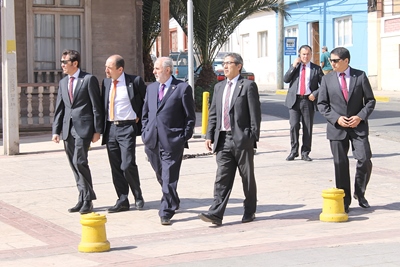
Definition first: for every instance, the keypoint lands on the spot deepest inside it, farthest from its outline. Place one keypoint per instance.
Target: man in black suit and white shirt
(123, 98)
(304, 78)
(346, 100)
(233, 130)
(79, 116)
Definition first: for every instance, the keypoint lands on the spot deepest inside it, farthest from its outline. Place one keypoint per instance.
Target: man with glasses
(79, 119)
(233, 130)
(304, 78)
(346, 100)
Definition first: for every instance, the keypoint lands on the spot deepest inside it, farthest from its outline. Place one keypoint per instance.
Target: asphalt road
(384, 121)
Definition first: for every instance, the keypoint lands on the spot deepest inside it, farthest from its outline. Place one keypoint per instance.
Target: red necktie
(113, 92)
(227, 123)
(344, 87)
(303, 80)
(71, 88)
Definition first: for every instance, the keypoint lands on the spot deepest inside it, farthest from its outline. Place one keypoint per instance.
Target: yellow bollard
(333, 206)
(94, 237)
(204, 117)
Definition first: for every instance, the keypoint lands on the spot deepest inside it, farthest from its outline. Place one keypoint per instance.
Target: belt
(302, 96)
(122, 123)
(227, 132)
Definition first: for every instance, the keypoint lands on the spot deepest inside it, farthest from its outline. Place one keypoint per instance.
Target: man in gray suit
(168, 122)
(346, 100)
(233, 130)
(79, 116)
(304, 78)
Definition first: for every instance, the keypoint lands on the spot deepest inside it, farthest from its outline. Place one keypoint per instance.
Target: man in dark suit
(123, 98)
(233, 130)
(79, 116)
(346, 100)
(168, 121)
(304, 78)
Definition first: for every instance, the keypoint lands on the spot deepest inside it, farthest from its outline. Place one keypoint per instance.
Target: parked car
(174, 56)
(181, 67)
(219, 71)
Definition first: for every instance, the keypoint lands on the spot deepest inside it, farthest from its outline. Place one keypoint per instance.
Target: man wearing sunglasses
(346, 100)
(78, 120)
(304, 78)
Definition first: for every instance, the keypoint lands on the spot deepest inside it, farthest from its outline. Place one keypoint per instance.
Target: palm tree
(151, 30)
(213, 22)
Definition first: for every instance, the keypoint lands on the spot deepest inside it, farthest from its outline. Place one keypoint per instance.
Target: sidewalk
(37, 188)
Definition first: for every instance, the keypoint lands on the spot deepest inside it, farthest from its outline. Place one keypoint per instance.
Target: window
(245, 39)
(391, 7)
(53, 25)
(291, 31)
(262, 44)
(343, 31)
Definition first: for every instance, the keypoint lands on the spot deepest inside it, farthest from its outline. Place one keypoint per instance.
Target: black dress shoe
(119, 206)
(305, 157)
(165, 220)
(139, 203)
(87, 207)
(248, 218)
(362, 201)
(292, 156)
(210, 218)
(77, 207)
(346, 208)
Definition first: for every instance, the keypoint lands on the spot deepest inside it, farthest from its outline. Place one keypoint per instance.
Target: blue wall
(304, 12)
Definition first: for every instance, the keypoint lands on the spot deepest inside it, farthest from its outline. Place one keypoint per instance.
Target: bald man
(123, 98)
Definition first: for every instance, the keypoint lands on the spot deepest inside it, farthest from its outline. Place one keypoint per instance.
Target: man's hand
(351, 122)
(354, 121)
(56, 138)
(96, 137)
(208, 144)
(296, 61)
(311, 97)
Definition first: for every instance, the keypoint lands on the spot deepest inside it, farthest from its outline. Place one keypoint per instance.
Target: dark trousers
(121, 149)
(362, 152)
(77, 149)
(302, 111)
(167, 166)
(229, 158)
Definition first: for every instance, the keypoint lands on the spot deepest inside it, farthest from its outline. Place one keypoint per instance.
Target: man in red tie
(78, 120)
(304, 78)
(233, 131)
(346, 100)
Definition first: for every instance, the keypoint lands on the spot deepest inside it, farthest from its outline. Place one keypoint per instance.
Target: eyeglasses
(336, 60)
(64, 61)
(228, 63)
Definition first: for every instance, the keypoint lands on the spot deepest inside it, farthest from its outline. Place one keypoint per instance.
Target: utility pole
(9, 79)
(164, 9)
(281, 37)
(190, 44)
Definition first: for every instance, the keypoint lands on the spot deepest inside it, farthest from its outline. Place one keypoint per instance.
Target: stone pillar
(9, 79)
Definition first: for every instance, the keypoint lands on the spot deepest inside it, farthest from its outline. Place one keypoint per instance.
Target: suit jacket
(332, 105)
(86, 111)
(292, 76)
(244, 114)
(136, 91)
(172, 122)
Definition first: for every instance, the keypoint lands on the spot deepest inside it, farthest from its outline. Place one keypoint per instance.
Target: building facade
(44, 28)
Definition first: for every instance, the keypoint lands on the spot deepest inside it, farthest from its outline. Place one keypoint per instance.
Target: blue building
(320, 23)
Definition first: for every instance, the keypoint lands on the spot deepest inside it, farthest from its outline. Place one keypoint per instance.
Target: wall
(114, 32)
(305, 12)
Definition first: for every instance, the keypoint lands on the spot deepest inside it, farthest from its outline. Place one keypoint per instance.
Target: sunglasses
(335, 60)
(64, 61)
